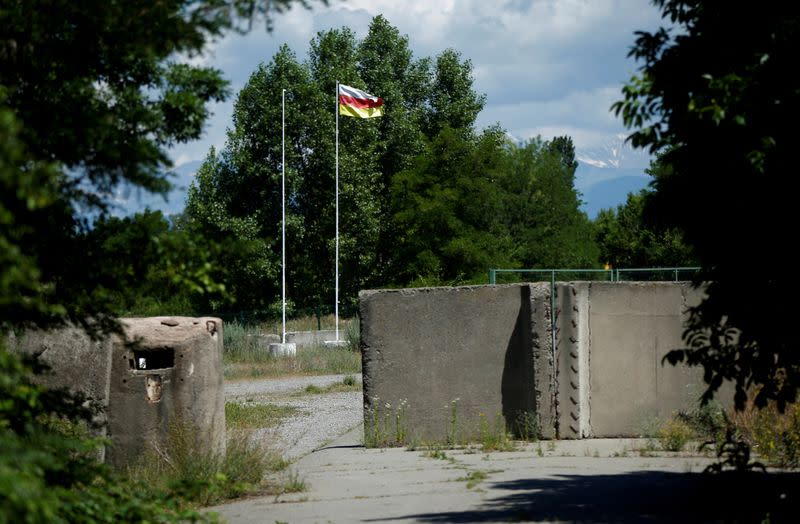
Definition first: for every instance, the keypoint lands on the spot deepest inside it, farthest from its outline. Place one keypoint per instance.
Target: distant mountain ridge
(605, 175)
(608, 172)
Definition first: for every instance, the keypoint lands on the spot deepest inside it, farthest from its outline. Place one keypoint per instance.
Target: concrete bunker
(168, 372)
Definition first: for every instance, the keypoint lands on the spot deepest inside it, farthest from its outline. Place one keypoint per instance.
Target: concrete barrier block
(277, 349)
(633, 325)
(432, 348)
(171, 375)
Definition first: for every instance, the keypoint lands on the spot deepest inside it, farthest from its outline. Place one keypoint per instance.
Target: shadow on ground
(646, 496)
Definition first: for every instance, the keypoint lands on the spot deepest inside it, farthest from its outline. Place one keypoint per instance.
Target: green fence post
(492, 277)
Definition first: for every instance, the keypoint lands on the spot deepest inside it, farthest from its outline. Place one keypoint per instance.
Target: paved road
(576, 481)
(566, 481)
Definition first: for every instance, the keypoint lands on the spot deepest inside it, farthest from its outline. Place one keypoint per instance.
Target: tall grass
(177, 468)
(775, 436)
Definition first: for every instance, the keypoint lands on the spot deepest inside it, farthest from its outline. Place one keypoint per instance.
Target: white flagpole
(336, 303)
(283, 211)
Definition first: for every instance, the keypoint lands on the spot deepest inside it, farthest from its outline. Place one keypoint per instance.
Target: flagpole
(336, 303)
(283, 213)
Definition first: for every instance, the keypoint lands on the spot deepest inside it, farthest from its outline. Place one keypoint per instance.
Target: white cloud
(545, 65)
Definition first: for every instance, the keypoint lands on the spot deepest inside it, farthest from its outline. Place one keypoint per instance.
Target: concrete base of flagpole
(278, 349)
(335, 343)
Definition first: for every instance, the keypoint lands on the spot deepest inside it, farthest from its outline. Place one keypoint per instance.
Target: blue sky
(547, 67)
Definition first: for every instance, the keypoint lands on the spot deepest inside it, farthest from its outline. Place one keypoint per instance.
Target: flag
(357, 103)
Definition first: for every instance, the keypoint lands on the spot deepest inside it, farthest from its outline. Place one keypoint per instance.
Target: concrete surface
(491, 350)
(76, 362)
(278, 349)
(172, 375)
(632, 326)
(464, 350)
(567, 481)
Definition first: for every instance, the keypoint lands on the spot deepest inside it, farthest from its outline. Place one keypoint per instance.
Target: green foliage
(526, 427)
(494, 436)
(255, 416)
(626, 240)
(203, 478)
(385, 425)
(424, 199)
(91, 98)
(541, 207)
(674, 434)
(49, 471)
(773, 435)
(726, 124)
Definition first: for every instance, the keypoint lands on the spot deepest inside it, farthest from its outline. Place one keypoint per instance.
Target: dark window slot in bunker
(160, 358)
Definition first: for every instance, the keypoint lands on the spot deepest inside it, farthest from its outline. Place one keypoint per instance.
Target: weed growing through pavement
(436, 453)
(526, 426)
(378, 431)
(473, 478)
(494, 437)
(400, 431)
(452, 428)
(293, 483)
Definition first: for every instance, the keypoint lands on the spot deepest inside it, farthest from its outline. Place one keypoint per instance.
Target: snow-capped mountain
(608, 172)
(615, 153)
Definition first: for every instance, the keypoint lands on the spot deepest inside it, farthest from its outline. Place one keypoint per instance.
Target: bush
(674, 434)
(775, 436)
(49, 471)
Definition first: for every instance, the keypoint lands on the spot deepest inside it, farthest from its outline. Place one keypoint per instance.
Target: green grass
(317, 360)
(474, 478)
(494, 437)
(254, 416)
(293, 483)
(349, 383)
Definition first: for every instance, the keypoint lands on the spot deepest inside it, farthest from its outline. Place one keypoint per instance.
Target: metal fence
(650, 274)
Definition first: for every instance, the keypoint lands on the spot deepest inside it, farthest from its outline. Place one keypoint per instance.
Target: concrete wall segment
(431, 347)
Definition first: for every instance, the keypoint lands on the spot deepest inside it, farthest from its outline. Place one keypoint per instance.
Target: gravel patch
(322, 417)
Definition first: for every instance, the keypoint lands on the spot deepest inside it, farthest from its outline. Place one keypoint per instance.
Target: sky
(547, 67)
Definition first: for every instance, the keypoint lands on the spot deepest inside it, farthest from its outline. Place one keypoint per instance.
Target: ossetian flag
(357, 103)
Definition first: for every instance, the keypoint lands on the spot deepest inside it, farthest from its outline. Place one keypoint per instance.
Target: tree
(445, 211)
(541, 209)
(91, 96)
(627, 237)
(720, 95)
(243, 181)
(97, 97)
